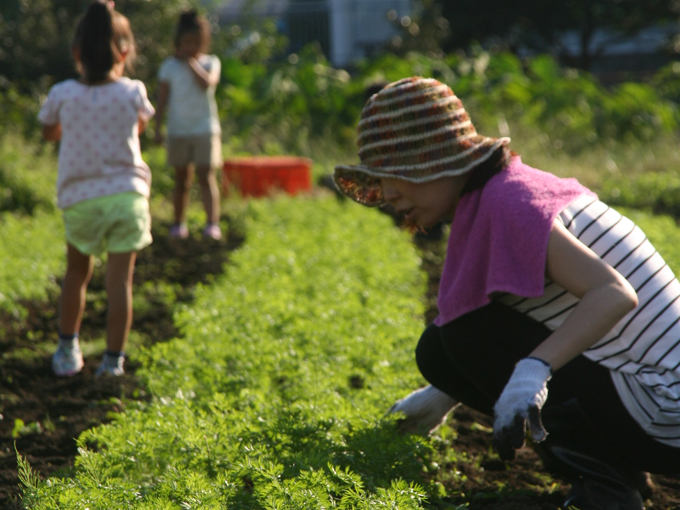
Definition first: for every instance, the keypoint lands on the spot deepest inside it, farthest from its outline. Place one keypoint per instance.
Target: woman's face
(423, 204)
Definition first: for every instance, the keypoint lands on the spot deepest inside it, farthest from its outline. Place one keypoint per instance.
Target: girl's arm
(205, 79)
(605, 297)
(163, 91)
(141, 124)
(52, 133)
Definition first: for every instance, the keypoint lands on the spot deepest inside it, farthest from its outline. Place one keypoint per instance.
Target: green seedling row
(276, 394)
(32, 253)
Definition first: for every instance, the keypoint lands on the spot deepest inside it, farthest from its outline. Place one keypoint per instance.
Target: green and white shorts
(117, 223)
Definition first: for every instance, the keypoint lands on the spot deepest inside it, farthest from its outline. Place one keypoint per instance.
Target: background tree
(36, 35)
(541, 25)
(425, 31)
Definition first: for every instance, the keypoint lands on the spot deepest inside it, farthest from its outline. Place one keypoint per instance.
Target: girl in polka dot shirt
(103, 184)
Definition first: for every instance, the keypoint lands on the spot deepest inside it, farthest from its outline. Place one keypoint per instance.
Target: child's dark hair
(192, 22)
(102, 37)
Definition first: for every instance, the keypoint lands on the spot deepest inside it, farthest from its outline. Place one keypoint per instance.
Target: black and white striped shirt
(643, 350)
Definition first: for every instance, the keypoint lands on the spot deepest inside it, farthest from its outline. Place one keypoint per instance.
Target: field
(56, 411)
(261, 366)
(256, 398)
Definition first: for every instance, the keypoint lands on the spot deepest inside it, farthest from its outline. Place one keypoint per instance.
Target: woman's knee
(433, 362)
(429, 351)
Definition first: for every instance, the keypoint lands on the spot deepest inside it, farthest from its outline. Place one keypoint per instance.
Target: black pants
(472, 357)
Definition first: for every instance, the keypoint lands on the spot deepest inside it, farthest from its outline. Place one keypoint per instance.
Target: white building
(345, 29)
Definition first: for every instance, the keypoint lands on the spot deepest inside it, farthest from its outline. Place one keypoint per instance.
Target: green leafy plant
(28, 478)
(658, 192)
(275, 396)
(22, 429)
(32, 258)
(28, 176)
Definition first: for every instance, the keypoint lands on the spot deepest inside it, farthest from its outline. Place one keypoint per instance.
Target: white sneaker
(105, 368)
(212, 230)
(67, 361)
(179, 231)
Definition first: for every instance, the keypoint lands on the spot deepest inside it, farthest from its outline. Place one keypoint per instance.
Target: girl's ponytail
(102, 37)
(94, 39)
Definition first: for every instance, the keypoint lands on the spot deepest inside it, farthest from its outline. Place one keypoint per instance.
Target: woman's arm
(163, 92)
(52, 133)
(605, 297)
(204, 78)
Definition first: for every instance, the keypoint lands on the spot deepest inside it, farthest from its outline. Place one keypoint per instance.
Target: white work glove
(519, 407)
(425, 409)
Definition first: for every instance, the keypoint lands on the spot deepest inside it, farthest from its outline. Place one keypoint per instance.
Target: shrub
(662, 231)
(658, 192)
(28, 176)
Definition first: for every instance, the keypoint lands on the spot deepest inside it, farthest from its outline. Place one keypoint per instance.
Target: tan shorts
(200, 150)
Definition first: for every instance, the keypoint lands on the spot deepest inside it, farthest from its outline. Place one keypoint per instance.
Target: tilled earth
(66, 407)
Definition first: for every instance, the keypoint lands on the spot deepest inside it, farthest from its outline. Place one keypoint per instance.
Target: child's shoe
(112, 364)
(67, 360)
(179, 231)
(212, 230)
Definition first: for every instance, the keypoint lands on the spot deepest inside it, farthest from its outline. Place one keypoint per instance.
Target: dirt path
(66, 407)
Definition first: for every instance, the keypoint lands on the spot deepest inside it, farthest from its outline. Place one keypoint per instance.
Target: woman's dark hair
(102, 37)
(192, 22)
(480, 175)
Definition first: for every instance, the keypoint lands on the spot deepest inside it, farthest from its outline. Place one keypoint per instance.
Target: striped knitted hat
(415, 129)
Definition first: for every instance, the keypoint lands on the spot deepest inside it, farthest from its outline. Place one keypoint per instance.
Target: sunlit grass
(603, 160)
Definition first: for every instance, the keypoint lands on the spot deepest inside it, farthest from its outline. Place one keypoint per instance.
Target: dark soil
(66, 407)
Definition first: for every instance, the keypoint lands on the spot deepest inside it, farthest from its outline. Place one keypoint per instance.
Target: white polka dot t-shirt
(99, 153)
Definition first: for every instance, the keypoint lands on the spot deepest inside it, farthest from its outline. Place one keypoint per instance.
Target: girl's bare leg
(73, 291)
(183, 177)
(210, 192)
(119, 272)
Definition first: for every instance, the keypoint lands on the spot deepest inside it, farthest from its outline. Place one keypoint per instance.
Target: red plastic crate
(258, 176)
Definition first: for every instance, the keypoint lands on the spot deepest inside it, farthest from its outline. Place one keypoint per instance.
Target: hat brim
(361, 183)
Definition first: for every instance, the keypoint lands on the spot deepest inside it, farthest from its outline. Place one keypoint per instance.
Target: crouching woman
(556, 314)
